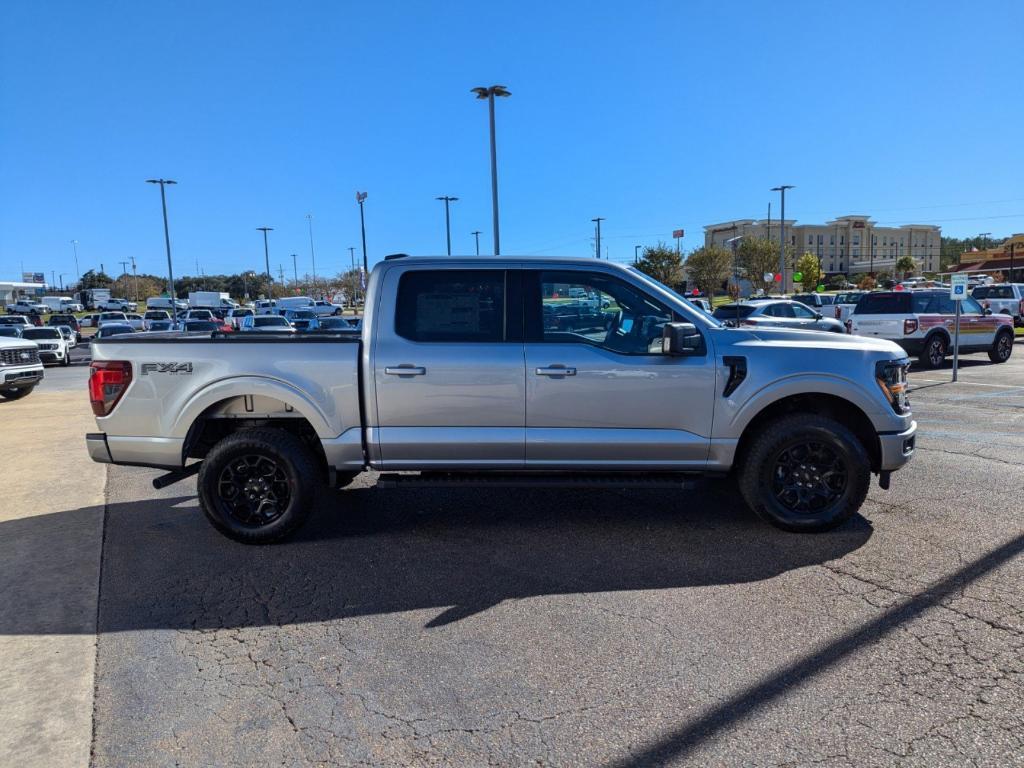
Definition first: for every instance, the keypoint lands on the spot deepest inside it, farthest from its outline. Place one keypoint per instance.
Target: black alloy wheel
(808, 477)
(253, 490)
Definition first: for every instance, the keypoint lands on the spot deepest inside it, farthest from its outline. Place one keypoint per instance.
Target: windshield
(114, 330)
(9, 330)
(41, 333)
(266, 321)
(883, 304)
(710, 318)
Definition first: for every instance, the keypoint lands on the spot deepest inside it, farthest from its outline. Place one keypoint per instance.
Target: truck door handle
(405, 370)
(556, 371)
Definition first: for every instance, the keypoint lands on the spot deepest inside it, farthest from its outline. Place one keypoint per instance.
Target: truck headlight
(891, 376)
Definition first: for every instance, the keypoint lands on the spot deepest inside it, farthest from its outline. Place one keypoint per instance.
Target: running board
(664, 480)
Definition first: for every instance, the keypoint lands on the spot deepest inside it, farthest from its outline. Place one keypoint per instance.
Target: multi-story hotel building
(847, 245)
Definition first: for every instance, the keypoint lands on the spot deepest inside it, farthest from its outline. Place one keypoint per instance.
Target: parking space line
(964, 381)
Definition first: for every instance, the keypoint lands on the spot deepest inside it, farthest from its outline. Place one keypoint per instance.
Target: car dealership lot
(460, 627)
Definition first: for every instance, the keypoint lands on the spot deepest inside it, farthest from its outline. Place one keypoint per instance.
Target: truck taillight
(909, 326)
(108, 380)
(1021, 308)
(839, 313)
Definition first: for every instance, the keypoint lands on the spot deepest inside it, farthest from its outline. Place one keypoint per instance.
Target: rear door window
(883, 304)
(466, 305)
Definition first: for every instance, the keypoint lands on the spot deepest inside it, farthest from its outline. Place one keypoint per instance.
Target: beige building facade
(847, 245)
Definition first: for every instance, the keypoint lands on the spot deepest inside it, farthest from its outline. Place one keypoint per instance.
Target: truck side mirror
(681, 339)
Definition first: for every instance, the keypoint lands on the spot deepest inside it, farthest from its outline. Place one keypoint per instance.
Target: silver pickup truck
(493, 371)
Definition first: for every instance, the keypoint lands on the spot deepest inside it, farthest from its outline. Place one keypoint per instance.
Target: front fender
(737, 413)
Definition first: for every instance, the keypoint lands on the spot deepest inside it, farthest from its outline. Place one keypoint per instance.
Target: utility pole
(295, 268)
(78, 272)
(167, 238)
(489, 94)
(598, 221)
(266, 257)
(361, 198)
(769, 221)
(476, 234)
(135, 274)
(312, 253)
(447, 219)
(636, 254)
(280, 272)
(124, 273)
(781, 189)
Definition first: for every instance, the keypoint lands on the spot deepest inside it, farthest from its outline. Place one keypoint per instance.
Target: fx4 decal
(172, 368)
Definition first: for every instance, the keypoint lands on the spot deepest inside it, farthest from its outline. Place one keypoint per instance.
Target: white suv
(923, 322)
(53, 347)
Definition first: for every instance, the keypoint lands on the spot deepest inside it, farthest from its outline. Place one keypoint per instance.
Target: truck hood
(12, 343)
(785, 337)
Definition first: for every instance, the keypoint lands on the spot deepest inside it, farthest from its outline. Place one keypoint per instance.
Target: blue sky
(655, 115)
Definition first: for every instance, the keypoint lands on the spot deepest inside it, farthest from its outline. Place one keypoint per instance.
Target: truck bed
(178, 380)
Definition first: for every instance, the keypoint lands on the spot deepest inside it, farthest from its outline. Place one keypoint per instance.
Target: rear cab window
(452, 305)
(884, 304)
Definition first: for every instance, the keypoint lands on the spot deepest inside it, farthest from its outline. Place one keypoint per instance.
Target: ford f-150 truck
(463, 374)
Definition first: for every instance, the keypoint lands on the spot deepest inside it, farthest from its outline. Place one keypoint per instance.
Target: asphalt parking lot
(456, 627)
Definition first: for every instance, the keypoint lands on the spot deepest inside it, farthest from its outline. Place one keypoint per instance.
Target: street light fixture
(266, 256)
(361, 198)
(489, 94)
(447, 219)
(476, 234)
(781, 189)
(167, 235)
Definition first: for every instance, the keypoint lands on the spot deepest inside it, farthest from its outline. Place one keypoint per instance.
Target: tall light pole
(312, 254)
(167, 236)
(295, 268)
(352, 259)
(361, 198)
(476, 234)
(447, 219)
(489, 94)
(61, 276)
(636, 254)
(266, 256)
(78, 272)
(781, 189)
(598, 221)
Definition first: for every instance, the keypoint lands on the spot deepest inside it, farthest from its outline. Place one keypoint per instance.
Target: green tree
(663, 264)
(838, 281)
(810, 270)
(94, 279)
(709, 267)
(758, 257)
(906, 265)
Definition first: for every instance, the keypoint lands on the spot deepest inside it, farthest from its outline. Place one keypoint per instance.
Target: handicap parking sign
(958, 287)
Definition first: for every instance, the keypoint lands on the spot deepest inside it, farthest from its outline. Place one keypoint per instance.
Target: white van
(295, 302)
(62, 304)
(163, 302)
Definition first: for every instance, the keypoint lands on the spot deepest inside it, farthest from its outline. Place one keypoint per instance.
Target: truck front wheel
(805, 473)
(257, 486)
(16, 393)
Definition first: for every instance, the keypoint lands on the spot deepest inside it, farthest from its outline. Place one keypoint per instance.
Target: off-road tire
(758, 473)
(1002, 347)
(299, 471)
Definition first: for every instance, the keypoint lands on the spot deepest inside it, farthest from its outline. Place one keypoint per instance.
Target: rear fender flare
(241, 386)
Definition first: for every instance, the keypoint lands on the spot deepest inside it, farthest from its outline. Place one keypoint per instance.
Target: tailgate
(882, 326)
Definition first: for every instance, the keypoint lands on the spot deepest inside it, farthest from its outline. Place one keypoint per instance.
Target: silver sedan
(777, 313)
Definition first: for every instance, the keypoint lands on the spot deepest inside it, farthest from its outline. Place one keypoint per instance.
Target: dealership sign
(33, 277)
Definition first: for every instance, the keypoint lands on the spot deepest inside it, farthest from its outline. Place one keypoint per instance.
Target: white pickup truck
(1003, 299)
(464, 374)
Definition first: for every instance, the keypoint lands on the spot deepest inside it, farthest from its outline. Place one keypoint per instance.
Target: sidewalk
(51, 521)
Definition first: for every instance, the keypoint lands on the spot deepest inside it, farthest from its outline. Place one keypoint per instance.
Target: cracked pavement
(580, 628)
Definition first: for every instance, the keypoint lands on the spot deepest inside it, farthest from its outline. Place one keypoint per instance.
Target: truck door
(448, 370)
(599, 392)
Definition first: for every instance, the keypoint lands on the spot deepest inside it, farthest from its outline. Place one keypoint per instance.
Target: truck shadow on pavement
(369, 552)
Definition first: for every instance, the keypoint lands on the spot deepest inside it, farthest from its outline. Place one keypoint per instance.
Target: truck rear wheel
(257, 486)
(805, 473)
